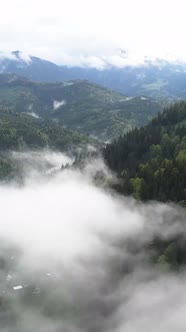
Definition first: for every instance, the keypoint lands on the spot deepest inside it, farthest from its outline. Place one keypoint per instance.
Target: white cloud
(25, 57)
(57, 104)
(33, 114)
(34, 163)
(95, 29)
(7, 55)
(81, 264)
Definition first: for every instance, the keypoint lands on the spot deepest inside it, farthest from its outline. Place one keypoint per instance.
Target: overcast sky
(65, 31)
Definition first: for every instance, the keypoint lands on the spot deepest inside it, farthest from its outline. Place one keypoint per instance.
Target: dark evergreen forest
(151, 161)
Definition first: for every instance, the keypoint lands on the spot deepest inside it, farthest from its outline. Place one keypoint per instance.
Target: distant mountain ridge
(160, 79)
(79, 105)
(31, 67)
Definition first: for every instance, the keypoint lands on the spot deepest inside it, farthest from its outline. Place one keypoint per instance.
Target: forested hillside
(151, 161)
(79, 105)
(21, 132)
(158, 79)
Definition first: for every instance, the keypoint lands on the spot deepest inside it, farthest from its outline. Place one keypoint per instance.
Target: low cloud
(117, 58)
(7, 55)
(16, 56)
(25, 57)
(73, 255)
(36, 165)
(57, 104)
(33, 114)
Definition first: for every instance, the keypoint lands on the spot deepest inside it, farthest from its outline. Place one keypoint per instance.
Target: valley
(92, 166)
(155, 77)
(78, 105)
(93, 196)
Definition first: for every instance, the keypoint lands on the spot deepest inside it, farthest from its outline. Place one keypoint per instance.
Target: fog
(73, 254)
(34, 165)
(57, 104)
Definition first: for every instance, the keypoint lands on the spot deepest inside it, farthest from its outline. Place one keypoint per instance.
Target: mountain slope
(151, 161)
(80, 105)
(157, 79)
(33, 68)
(21, 131)
(161, 80)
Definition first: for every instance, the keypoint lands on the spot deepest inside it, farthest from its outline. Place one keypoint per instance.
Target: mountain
(32, 67)
(160, 80)
(21, 131)
(154, 78)
(79, 105)
(151, 161)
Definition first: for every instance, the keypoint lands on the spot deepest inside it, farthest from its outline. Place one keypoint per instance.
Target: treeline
(151, 161)
(86, 107)
(21, 131)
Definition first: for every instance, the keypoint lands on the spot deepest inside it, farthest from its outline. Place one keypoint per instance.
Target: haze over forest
(92, 166)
